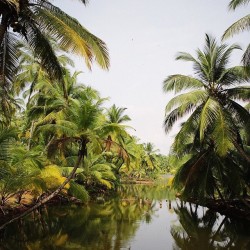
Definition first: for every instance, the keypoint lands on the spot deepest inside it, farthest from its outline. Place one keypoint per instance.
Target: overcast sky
(143, 37)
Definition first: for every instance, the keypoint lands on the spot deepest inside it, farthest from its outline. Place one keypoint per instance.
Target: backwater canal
(140, 217)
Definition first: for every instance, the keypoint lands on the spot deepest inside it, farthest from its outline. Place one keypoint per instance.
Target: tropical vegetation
(59, 138)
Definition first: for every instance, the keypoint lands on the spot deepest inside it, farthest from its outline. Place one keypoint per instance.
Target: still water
(140, 217)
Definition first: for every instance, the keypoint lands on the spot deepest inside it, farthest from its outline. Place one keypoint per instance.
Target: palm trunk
(31, 134)
(49, 143)
(81, 154)
(65, 93)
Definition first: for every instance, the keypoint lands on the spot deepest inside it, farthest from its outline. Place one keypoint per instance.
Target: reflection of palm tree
(206, 230)
(95, 226)
(197, 231)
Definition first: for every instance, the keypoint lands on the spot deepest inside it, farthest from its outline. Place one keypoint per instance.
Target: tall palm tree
(214, 121)
(37, 22)
(239, 26)
(209, 99)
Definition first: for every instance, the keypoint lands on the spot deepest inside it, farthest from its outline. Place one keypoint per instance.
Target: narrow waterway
(140, 217)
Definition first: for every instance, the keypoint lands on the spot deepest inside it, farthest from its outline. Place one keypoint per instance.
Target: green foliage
(78, 191)
(62, 119)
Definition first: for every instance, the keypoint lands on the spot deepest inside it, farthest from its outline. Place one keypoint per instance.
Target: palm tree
(116, 115)
(114, 129)
(239, 26)
(37, 22)
(210, 99)
(30, 70)
(214, 124)
(114, 124)
(150, 156)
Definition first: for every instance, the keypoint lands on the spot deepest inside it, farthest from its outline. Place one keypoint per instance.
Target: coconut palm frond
(184, 174)
(110, 145)
(178, 83)
(43, 51)
(193, 98)
(57, 129)
(186, 134)
(172, 117)
(84, 1)
(222, 56)
(223, 133)
(237, 27)
(7, 137)
(232, 76)
(246, 58)
(209, 114)
(8, 68)
(31, 160)
(185, 57)
(72, 36)
(240, 93)
(8, 61)
(240, 114)
(236, 3)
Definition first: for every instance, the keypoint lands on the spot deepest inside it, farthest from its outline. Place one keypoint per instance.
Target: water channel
(140, 217)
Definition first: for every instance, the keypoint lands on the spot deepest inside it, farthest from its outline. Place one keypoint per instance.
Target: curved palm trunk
(31, 134)
(81, 154)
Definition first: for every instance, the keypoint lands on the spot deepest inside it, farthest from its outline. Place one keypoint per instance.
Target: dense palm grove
(60, 138)
(212, 148)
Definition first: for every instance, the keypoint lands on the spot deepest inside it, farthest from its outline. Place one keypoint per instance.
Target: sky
(143, 38)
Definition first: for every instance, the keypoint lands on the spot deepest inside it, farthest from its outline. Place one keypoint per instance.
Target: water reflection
(139, 217)
(201, 228)
(98, 225)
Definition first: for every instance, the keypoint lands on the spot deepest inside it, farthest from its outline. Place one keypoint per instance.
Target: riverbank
(237, 208)
(146, 182)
